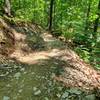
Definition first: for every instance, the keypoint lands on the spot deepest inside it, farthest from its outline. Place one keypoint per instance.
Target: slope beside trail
(32, 45)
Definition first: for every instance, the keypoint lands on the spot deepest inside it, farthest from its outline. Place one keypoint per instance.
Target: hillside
(30, 44)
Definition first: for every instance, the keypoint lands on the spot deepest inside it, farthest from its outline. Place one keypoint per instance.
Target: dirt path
(76, 72)
(32, 57)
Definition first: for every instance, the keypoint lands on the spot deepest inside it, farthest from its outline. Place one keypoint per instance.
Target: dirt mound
(7, 41)
(31, 45)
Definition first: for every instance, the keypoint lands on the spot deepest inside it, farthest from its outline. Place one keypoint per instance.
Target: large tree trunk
(7, 7)
(96, 22)
(87, 16)
(51, 15)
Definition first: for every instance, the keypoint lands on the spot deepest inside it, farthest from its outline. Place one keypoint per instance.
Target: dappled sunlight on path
(32, 58)
(76, 72)
(44, 47)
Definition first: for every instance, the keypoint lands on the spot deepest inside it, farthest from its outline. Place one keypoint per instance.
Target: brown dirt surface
(44, 46)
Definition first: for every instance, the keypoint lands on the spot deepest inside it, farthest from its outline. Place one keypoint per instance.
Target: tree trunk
(51, 15)
(96, 22)
(7, 7)
(87, 16)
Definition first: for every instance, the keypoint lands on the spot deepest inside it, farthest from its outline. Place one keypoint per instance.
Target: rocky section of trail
(31, 46)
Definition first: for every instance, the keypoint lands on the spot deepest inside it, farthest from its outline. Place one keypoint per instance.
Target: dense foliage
(76, 20)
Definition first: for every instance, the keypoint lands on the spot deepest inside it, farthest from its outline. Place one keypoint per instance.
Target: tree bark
(7, 7)
(51, 15)
(87, 16)
(96, 22)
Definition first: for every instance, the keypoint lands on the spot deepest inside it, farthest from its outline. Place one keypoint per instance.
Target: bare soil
(76, 73)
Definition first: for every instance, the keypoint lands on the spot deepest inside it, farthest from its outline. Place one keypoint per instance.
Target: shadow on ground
(36, 82)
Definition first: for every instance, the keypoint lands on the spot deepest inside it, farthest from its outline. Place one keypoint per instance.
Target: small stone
(8, 85)
(65, 95)
(37, 92)
(46, 98)
(22, 69)
(17, 75)
(58, 95)
(34, 88)
(6, 98)
(20, 91)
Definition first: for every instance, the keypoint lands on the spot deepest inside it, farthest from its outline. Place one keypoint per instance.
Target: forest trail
(34, 56)
(76, 73)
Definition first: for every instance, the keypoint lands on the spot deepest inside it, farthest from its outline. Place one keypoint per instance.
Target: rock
(6, 98)
(37, 92)
(17, 75)
(89, 97)
(65, 95)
